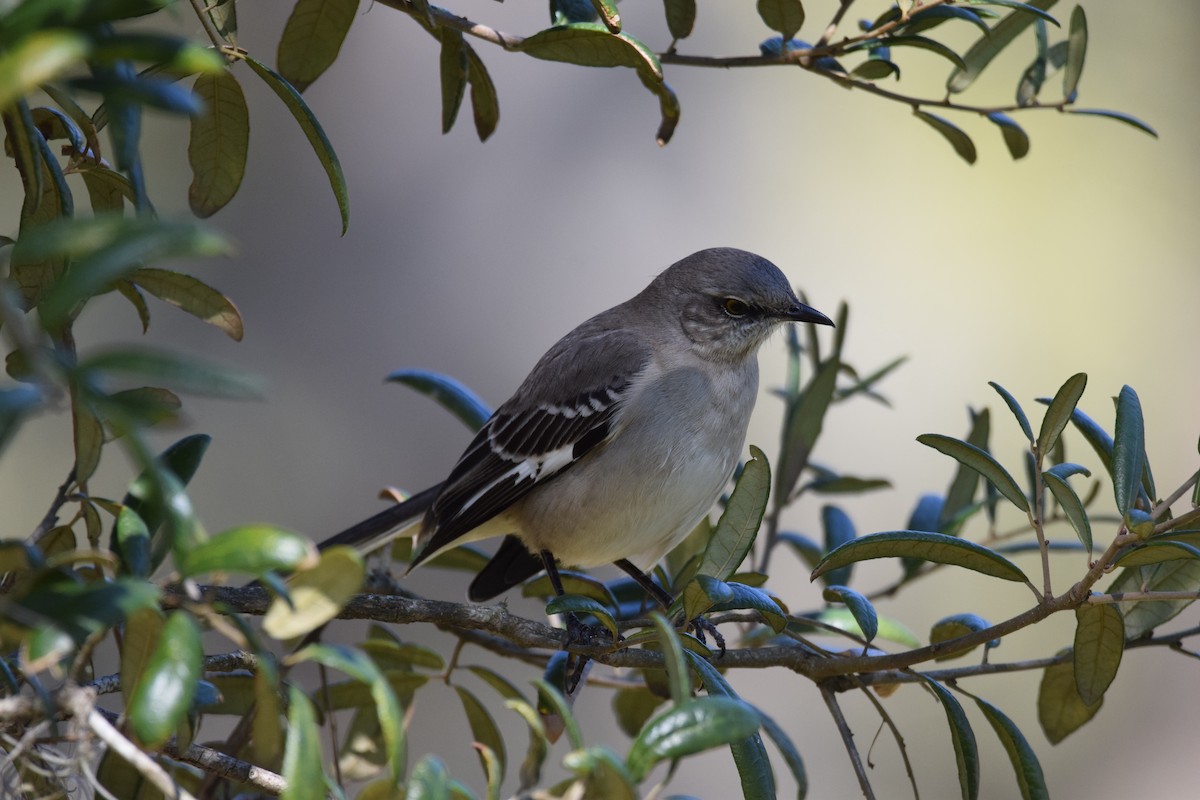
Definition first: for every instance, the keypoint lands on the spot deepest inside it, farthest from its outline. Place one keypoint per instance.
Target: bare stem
(839, 719)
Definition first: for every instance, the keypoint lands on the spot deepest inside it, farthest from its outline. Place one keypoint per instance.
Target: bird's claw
(588, 636)
(701, 625)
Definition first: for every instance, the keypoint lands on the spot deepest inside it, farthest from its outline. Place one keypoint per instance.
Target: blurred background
(470, 259)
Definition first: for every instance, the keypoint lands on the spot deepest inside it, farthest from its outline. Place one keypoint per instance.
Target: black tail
(373, 532)
(511, 565)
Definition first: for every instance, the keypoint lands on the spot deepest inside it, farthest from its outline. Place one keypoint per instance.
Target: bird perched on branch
(620, 439)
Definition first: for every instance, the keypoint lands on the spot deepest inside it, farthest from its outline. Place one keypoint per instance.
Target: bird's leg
(699, 624)
(577, 632)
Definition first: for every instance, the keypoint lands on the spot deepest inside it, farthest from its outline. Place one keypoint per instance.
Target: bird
(619, 441)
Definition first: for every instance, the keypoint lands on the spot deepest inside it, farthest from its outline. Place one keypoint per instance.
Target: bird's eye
(734, 307)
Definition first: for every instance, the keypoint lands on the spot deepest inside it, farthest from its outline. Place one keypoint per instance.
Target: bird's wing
(539, 432)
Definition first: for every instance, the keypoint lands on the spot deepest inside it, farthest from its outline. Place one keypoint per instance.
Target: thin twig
(839, 719)
(150, 769)
(887, 720)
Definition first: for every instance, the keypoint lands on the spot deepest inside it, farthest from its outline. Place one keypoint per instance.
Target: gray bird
(620, 439)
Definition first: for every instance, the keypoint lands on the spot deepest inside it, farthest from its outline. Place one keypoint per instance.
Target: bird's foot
(588, 636)
(700, 626)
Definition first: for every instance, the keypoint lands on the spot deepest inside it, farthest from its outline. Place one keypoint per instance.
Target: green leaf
(168, 682)
(1059, 412)
(958, 504)
(143, 628)
(739, 523)
(453, 71)
(38, 58)
(607, 11)
(1077, 41)
(802, 427)
(573, 583)
(957, 138)
(1099, 645)
(875, 69)
(701, 593)
(672, 651)
(689, 727)
(1012, 403)
(362, 669)
(989, 46)
(448, 393)
(483, 729)
(1015, 138)
(1144, 616)
(980, 461)
(107, 189)
(108, 249)
(1025, 763)
(182, 373)
(485, 108)
(1118, 116)
(966, 751)
(925, 18)
(890, 629)
(1071, 505)
(250, 550)
(578, 604)
(317, 594)
(552, 704)
(954, 626)
(602, 774)
(312, 38)
(312, 130)
(937, 547)
(88, 435)
(535, 755)
(932, 45)
(860, 607)
(498, 682)
(632, 707)
(1060, 711)
(302, 756)
(591, 45)
(219, 143)
(132, 539)
(1156, 551)
(784, 16)
(681, 17)
(742, 596)
(1129, 449)
(193, 296)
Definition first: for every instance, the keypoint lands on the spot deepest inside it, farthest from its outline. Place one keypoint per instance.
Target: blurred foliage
(139, 576)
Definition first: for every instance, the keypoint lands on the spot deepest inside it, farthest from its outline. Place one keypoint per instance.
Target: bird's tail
(376, 531)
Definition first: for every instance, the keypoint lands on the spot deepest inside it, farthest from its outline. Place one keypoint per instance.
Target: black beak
(803, 313)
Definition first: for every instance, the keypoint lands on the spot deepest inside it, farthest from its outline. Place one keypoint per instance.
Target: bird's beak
(803, 313)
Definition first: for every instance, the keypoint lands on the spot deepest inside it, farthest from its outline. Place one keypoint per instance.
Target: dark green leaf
(447, 392)
(681, 16)
(1117, 115)
(701, 593)
(312, 38)
(932, 45)
(1059, 412)
(1025, 763)
(1076, 52)
(925, 18)
(578, 604)
(875, 69)
(1011, 401)
(632, 707)
(1015, 138)
(88, 435)
(957, 138)
(1099, 645)
(607, 12)
(193, 296)
(485, 108)
(167, 684)
(802, 427)
(860, 607)
(483, 729)
(966, 751)
(677, 674)
(1143, 616)
(748, 597)
(219, 143)
(1060, 711)
(739, 523)
(838, 529)
(953, 627)
(936, 547)
(132, 539)
(1129, 449)
(602, 773)
(784, 16)
(573, 583)
(689, 727)
(591, 45)
(312, 130)
(1156, 551)
(980, 461)
(989, 46)
(1019, 6)
(181, 373)
(1071, 505)
(453, 70)
(535, 755)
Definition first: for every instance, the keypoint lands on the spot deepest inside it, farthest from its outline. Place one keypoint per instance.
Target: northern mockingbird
(621, 438)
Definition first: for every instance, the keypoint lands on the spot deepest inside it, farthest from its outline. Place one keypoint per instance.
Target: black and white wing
(541, 431)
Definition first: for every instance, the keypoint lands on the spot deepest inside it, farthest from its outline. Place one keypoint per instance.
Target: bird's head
(729, 301)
